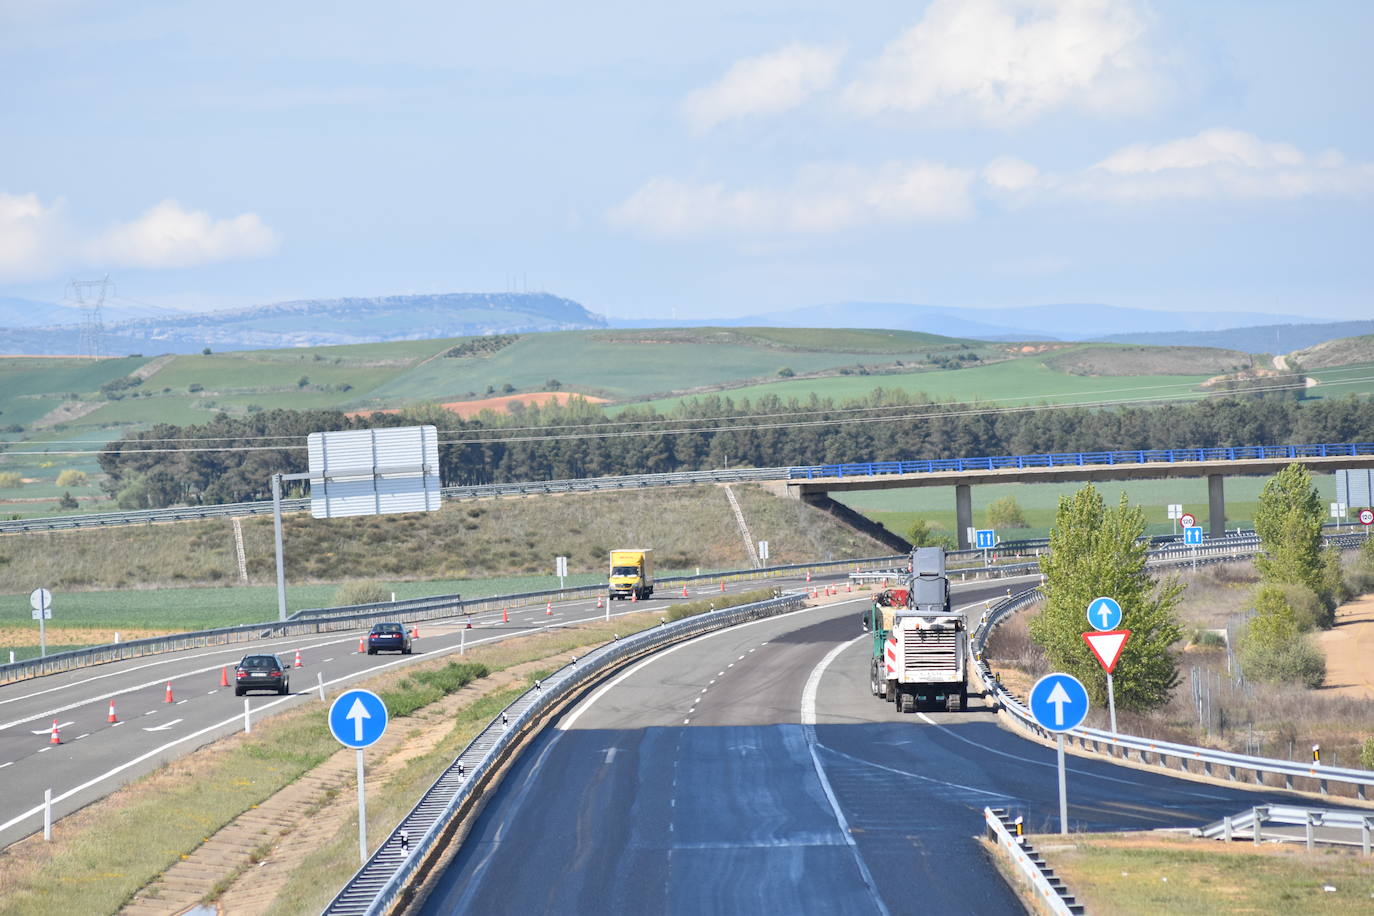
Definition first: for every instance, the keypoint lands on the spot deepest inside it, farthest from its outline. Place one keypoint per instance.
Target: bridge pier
(1216, 506)
(963, 513)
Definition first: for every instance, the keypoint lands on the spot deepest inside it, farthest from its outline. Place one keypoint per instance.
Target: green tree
(1006, 513)
(921, 535)
(1288, 521)
(67, 502)
(1095, 551)
(1272, 646)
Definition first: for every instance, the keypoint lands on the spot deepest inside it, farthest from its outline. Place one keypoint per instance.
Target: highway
(96, 756)
(751, 770)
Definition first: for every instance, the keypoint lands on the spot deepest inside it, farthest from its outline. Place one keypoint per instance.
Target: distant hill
(1265, 338)
(1345, 351)
(320, 322)
(1068, 321)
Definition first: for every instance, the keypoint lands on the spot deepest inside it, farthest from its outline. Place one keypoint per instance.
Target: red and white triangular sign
(1107, 646)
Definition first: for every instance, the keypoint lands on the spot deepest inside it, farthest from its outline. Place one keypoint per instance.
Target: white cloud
(1013, 60)
(821, 199)
(169, 236)
(1217, 164)
(763, 85)
(30, 236)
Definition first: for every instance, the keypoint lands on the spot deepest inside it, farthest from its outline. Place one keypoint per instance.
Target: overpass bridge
(814, 484)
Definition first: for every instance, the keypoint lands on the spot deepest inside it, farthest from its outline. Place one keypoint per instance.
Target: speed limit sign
(1188, 520)
(1367, 516)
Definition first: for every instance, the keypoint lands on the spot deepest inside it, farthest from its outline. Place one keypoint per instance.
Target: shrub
(1296, 662)
(786, 372)
(1308, 610)
(1006, 513)
(1367, 754)
(921, 535)
(361, 591)
(67, 502)
(72, 478)
(10, 479)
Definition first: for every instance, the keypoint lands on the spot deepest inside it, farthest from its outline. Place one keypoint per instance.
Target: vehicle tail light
(274, 674)
(240, 673)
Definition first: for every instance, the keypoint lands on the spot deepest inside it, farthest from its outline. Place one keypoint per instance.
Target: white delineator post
(362, 813)
(47, 815)
(247, 722)
(319, 676)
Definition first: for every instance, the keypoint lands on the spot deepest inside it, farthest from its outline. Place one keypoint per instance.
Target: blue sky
(706, 159)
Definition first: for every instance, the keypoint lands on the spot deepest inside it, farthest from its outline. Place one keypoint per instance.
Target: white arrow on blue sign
(985, 538)
(1192, 535)
(357, 718)
(1059, 702)
(1104, 613)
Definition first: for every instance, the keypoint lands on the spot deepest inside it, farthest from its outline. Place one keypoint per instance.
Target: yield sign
(1107, 646)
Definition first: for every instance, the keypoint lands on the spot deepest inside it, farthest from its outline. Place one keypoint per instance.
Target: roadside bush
(692, 608)
(425, 687)
(67, 502)
(72, 478)
(1272, 646)
(1367, 754)
(361, 591)
(921, 535)
(1006, 513)
(10, 479)
(1309, 612)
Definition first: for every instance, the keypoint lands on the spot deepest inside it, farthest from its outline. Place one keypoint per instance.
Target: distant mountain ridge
(1067, 321)
(1265, 338)
(321, 322)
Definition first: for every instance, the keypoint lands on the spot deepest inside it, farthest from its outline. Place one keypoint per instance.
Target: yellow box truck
(632, 574)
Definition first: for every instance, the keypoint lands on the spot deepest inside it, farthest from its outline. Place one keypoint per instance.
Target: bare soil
(1349, 648)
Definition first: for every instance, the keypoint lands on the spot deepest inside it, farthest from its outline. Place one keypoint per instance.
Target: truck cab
(920, 644)
(631, 574)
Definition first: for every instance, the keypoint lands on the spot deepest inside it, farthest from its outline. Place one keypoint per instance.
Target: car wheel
(371, 651)
(284, 689)
(238, 691)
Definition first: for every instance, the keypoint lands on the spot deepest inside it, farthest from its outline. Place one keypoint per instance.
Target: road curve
(750, 770)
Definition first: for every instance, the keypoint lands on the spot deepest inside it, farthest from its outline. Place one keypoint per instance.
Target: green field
(1020, 381)
(897, 509)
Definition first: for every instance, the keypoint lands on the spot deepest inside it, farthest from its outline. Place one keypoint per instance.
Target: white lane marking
(742, 657)
(48, 730)
(3, 765)
(212, 692)
(163, 727)
(46, 747)
(326, 660)
(179, 702)
(587, 704)
(808, 717)
(79, 737)
(150, 712)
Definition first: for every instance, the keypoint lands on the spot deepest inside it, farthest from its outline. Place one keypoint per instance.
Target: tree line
(229, 459)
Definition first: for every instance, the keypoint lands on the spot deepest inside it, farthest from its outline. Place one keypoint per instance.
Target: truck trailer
(632, 574)
(920, 644)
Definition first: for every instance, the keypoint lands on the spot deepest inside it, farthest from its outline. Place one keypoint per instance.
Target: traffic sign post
(1187, 520)
(1104, 613)
(1059, 703)
(1338, 512)
(1175, 510)
(40, 599)
(1366, 519)
(1107, 646)
(560, 569)
(357, 718)
(1192, 536)
(985, 539)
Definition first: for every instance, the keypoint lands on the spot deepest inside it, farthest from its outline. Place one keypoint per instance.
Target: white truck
(920, 644)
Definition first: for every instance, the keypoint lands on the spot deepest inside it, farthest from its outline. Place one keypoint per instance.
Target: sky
(712, 159)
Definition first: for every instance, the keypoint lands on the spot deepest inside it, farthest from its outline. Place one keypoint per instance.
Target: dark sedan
(261, 672)
(388, 637)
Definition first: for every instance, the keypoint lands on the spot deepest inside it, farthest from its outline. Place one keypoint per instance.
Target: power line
(937, 414)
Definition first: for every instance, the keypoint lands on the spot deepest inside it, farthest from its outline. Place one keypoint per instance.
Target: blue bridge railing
(1072, 459)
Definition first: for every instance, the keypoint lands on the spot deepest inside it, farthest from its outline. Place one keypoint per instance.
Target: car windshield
(624, 570)
(259, 661)
(392, 628)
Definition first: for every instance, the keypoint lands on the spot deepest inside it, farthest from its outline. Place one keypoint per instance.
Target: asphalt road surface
(752, 771)
(96, 756)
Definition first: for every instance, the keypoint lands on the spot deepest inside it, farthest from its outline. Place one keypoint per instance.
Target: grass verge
(1168, 873)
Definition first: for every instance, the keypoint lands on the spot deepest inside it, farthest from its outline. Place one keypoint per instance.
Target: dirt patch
(67, 412)
(153, 366)
(1126, 360)
(1349, 648)
(1344, 351)
(73, 636)
(470, 409)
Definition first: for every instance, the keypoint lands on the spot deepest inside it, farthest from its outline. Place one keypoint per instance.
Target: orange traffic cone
(415, 630)
(224, 676)
(598, 601)
(634, 596)
(505, 615)
(548, 609)
(469, 626)
(808, 575)
(113, 718)
(722, 585)
(849, 587)
(56, 736)
(168, 698)
(298, 660)
(362, 645)
(684, 591)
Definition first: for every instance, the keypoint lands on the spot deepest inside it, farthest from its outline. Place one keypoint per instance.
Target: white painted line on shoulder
(46, 748)
(179, 702)
(48, 731)
(79, 737)
(213, 692)
(3, 765)
(163, 727)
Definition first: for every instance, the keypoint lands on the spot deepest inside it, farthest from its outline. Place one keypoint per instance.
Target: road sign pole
(362, 809)
(276, 530)
(1063, 791)
(1111, 703)
(42, 633)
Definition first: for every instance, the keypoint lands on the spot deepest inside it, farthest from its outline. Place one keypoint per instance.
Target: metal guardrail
(1079, 459)
(409, 610)
(1148, 751)
(728, 475)
(1310, 819)
(384, 880)
(1053, 894)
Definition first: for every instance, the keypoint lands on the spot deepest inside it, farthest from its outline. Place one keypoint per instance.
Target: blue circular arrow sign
(357, 718)
(1104, 614)
(1059, 702)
